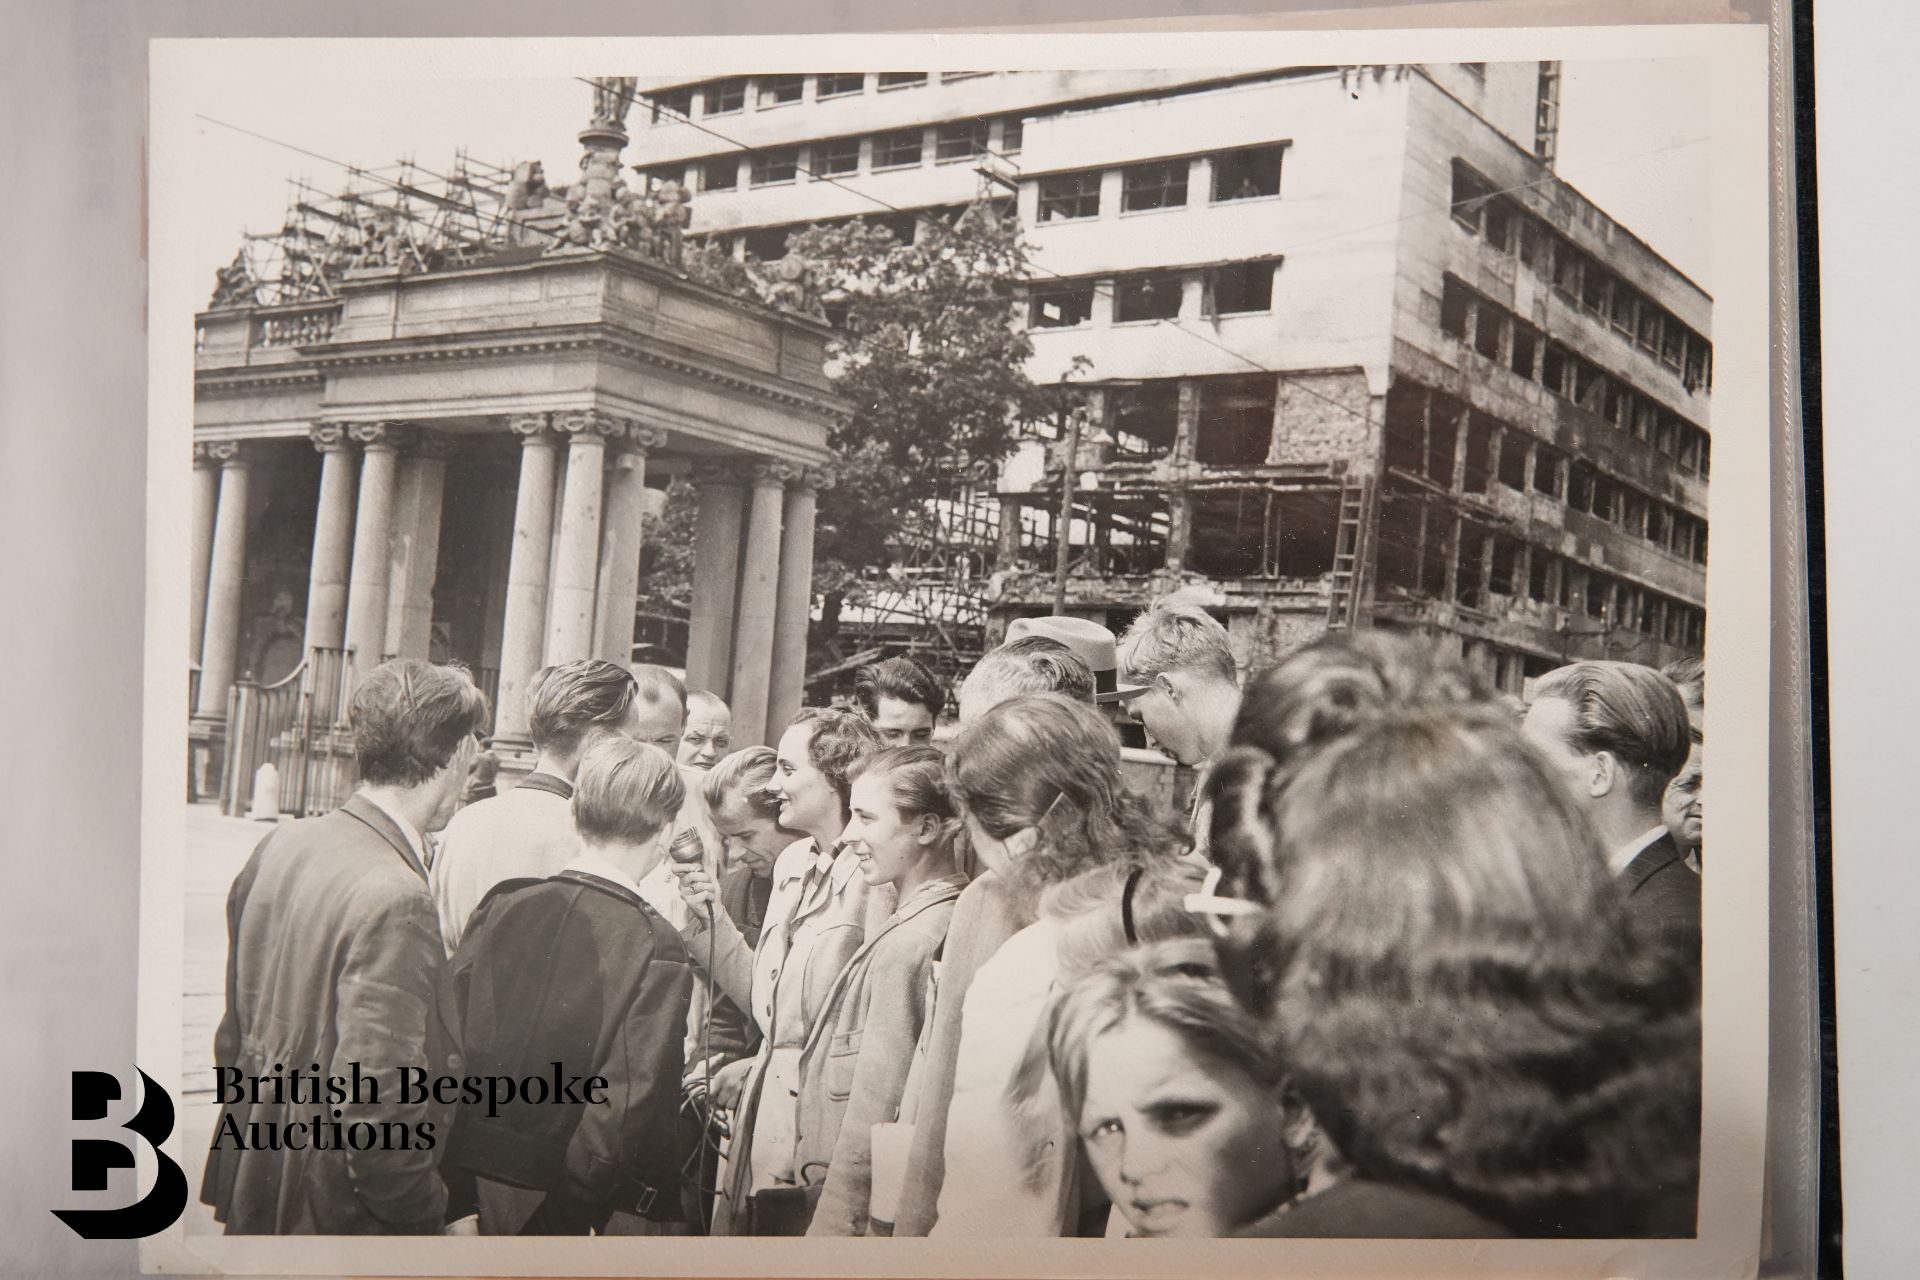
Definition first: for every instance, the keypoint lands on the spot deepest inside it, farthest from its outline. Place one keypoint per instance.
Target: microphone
(686, 852)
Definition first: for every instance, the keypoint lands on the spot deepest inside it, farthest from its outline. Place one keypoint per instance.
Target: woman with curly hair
(1428, 932)
(1038, 782)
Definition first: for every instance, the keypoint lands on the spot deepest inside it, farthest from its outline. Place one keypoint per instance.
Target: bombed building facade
(1340, 347)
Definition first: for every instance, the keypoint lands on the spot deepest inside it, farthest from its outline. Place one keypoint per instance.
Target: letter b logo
(161, 1207)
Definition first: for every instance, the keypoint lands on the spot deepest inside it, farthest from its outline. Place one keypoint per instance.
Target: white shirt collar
(595, 865)
(415, 840)
(1622, 858)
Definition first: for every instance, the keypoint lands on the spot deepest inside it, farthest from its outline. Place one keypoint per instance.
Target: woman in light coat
(853, 1069)
(816, 920)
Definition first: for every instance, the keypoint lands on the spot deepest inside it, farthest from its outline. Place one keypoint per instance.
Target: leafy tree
(928, 351)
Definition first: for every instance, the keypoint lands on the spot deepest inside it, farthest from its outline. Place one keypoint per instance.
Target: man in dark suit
(1618, 733)
(334, 954)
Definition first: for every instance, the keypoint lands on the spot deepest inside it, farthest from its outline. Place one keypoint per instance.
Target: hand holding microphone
(688, 855)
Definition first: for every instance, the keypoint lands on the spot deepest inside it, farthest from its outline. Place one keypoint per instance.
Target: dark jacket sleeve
(386, 996)
(216, 1181)
(634, 1137)
(896, 1008)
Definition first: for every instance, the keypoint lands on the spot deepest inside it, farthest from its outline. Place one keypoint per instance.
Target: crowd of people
(1414, 962)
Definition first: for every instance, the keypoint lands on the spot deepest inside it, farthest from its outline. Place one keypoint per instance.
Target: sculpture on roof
(793, 282)
(233, 284)
(612, 96)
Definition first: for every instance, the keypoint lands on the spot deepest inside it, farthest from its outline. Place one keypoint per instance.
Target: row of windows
(1486, 563)
(730, 96)
(1244, 174)
(1500, 336)
(1423, 438)
(769, 244)
(838, 157)
(1236, 288)
(1580, 279)
(1232, 419)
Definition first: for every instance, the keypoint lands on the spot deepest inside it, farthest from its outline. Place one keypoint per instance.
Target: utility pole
(1069, 422)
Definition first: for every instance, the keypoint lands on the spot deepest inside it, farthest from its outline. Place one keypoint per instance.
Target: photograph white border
(1738, 609)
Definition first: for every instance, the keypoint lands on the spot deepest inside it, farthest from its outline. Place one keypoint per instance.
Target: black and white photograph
(1032, 659)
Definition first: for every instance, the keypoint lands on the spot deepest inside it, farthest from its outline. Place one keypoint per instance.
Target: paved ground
(217, 847)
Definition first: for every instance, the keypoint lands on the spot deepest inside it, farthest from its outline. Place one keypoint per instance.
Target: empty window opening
(1470, 195)
(1513, 460)
(1553, 369)
(1598, 589)
(1466, 565)
(722, 173)
(671, 107)
(1304, 526)
(902, 79)
(1397, 563)
(1536, 247)
(1456, 304)
(1539, 567)
(1135, 535)
(1069, 195)
(1144, 420)
(1229, 533)
(1479, 461)
(1567, 267)
(769, 244)
(1146, 297)
(1443, 432)
(1659, 524)
(1580, 487)
(1506, 560)
(1486, 337)
(1596, 290)
(1406, 448)
(1240, 287)
(1012, 130)
(1247, 174)
(1059, 306)
(1546, 471)
(1500, 224)
(961, 140)
(1589, 387)
(1162, 185)
(1526, 348)
(1236, 421)
(1626, 305)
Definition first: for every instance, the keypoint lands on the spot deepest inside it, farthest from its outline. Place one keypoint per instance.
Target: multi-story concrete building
(1357, 356)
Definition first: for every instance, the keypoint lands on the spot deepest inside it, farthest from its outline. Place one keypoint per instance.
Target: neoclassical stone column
(226, 577)
(759, 595)
(372, 535)
(332, 539)
(415, 558)
(576, 562)
(787, 680)
(620, 542)
(206, 499)
(524, 627)
(716, 573)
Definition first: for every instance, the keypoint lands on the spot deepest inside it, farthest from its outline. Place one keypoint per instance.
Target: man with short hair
(709, 731)
(660, 707)
(1181, 658)
(1031, 664)
(528, 830)
(1617, 733)
(902, 698)
(333, 958)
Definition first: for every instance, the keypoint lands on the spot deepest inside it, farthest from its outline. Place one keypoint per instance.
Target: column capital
(202, 454)
(330, 437)
(532, 428)
(815, 478)
(587, 424)
(433, 446)
(775, 473)
(383, 435)
(229, 453)
(643, 439)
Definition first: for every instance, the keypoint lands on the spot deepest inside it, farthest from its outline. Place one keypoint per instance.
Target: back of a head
(574, 702)
(625, 792)
(1174, 635)
(902, 679)
(742, 777)
(1450, 975)
(1634, 712)
(409, 718)
(656, 684)
(1047, 762)
(1031, 664)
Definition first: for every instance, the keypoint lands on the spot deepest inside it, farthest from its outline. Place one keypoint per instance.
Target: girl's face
(888, 843)
(752, 841)
(1184, 1146)
(808, 801)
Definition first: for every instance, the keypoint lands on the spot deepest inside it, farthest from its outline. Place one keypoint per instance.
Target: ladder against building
(1349, 552)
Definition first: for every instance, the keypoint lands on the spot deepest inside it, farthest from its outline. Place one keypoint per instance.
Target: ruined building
(1358, 358)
